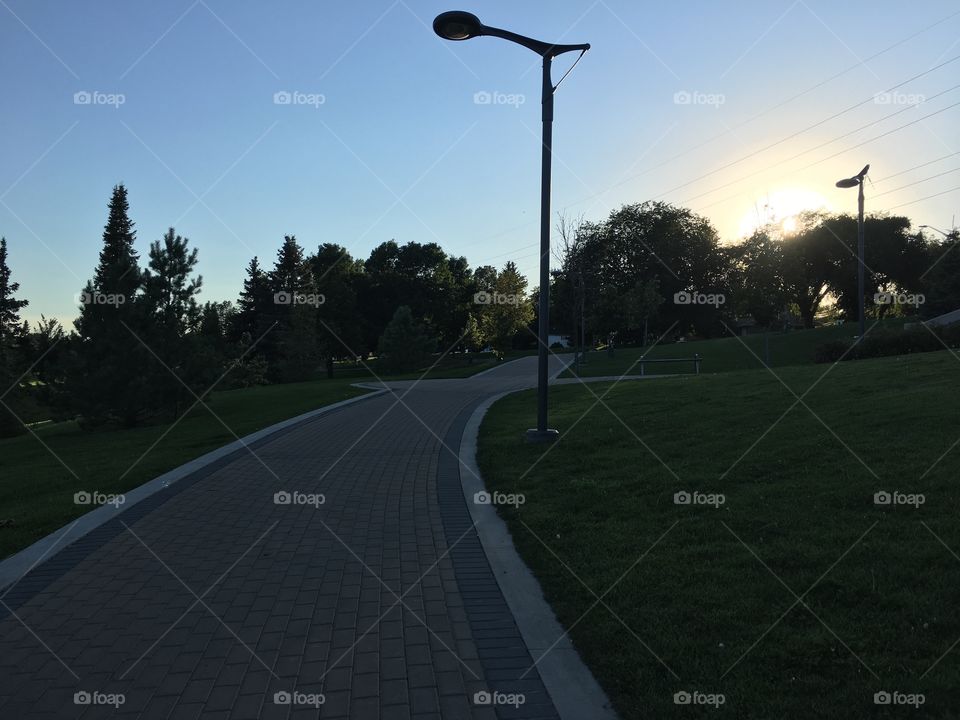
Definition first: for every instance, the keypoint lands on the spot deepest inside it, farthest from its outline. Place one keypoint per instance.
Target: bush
(884, 343)
(404, 345)
(246, 373)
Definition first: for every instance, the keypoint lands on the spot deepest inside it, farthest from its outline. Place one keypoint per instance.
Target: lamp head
(457, 25)
(855, 180)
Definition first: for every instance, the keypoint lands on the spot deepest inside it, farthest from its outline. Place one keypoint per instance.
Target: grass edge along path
(702, 597)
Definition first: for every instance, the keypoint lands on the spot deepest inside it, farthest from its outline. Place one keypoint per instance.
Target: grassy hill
(703, 597)
(795, 347)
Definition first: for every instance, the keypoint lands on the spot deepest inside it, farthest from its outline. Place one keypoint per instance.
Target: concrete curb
(15, 567)
(575, 692)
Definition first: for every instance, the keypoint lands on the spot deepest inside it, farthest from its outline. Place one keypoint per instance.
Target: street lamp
(458, 25)
(857, 181)
(931, 227)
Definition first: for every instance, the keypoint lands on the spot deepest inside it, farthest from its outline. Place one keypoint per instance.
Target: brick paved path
(209, 598)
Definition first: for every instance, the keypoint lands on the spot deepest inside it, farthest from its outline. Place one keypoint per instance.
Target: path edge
(575, 692)
(15, 568)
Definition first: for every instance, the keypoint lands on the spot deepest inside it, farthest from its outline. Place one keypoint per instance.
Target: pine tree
(12, 339)
(253, 305)
(290, 273)
(107, 380)
(170, 306)
(9, 306)
(295, 354)
(472, 335)
(509, 309)
(404, 345)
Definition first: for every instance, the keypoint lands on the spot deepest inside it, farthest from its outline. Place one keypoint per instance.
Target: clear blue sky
(399, 118)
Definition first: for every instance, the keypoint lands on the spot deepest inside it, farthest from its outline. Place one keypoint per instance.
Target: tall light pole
(857, 181)
(457, 25)
(931, 227)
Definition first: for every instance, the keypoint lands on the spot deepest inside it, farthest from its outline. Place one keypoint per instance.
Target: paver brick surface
(330, 571)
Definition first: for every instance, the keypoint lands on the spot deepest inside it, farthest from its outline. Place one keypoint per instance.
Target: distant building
(745, 325)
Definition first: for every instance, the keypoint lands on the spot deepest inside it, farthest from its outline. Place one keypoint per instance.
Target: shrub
(404, 345)
(884, 343)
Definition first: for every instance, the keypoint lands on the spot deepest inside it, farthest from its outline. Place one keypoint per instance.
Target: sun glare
(781, 207)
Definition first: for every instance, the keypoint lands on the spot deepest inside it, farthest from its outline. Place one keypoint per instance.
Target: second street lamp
(857, 181)
(458, 25)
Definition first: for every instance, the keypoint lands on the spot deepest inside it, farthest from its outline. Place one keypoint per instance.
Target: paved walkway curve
(210, 599)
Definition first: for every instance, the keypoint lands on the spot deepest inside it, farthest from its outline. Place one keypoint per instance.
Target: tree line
(654, 269)
(145, 348)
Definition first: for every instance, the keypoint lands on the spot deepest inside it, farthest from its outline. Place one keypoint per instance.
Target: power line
(872, 98)
(915, 167)
(751, 119)
(841, 152)
(777, 106)
(954, 189)
(903, 187)
(815, 147)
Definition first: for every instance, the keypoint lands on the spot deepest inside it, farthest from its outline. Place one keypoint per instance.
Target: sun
(781, 207)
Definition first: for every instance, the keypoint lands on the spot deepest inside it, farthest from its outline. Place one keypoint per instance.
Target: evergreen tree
(254, 305)
(107, 380)
(169, 289)
(508, 309)
(12, 340)
(473, 338)
(404, 345)
(290, 273)
(170, 307)
(293, 354)
(9, 306)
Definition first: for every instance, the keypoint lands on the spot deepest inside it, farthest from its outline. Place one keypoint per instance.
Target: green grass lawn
(708, 589)
(795, 347)
(36, 490)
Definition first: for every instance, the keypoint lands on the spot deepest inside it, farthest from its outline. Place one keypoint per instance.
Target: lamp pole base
(541, 436)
